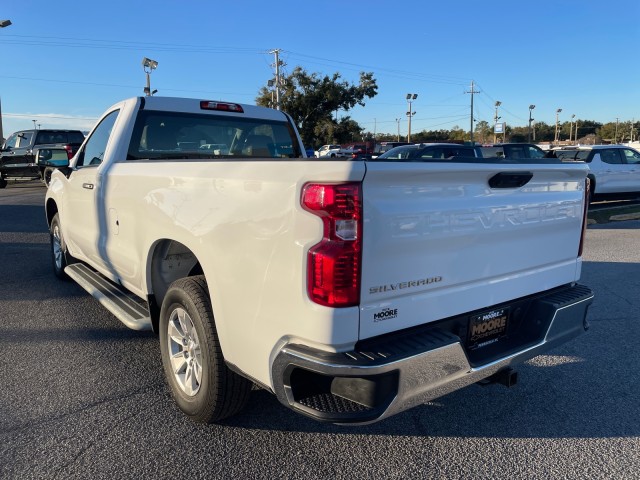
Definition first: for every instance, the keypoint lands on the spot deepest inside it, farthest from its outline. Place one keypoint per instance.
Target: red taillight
(587, 196)
(333, 264)
(221, 106)
(69, 152)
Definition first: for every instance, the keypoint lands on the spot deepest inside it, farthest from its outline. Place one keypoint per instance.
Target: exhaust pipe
(507, 377)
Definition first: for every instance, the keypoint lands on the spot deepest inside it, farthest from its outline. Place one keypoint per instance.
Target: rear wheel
(201, 383)
(3, 183)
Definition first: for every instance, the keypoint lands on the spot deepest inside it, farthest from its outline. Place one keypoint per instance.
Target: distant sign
(499, 127)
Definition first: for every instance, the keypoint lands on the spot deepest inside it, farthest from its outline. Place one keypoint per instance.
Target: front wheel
(46, 175)
(59, 254)
(201, 383)
(3, 183)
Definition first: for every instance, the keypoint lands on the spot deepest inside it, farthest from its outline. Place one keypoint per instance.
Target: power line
(435, 78)
(75, 82)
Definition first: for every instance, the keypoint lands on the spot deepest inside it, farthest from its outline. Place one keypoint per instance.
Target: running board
(113, 297)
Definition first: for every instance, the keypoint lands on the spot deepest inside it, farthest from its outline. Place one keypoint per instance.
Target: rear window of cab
(171, 135)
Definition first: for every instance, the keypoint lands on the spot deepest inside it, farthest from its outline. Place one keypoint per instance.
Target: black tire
(46, 175)
(592, 190)
(220, 392)
(59, 254)
(3, 183)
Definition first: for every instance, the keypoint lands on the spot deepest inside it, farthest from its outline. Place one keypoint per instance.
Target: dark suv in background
(429, 152)
(18, 154)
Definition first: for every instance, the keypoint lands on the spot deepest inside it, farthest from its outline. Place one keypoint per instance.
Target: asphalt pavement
(82, 396)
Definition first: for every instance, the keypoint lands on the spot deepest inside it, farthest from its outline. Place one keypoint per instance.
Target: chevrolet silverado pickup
(351, 290)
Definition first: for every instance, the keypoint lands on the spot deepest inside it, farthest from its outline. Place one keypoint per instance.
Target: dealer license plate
(487, 328)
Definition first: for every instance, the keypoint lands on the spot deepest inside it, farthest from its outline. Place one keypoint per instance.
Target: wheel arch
(592, 185)
(168, 260)
(51, 208)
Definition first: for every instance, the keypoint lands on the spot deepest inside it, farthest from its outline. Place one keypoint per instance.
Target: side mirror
(52, 157)
(43, 155)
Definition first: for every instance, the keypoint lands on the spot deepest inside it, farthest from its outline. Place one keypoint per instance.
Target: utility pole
(278, 63)
(571, 127)
(472, 92)
(632, 121)
(615, 136)
(398, 124)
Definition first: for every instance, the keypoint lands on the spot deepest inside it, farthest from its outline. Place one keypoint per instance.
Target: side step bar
(113, 297)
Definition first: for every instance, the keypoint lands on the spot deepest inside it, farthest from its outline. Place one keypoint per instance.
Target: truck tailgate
(439, 241)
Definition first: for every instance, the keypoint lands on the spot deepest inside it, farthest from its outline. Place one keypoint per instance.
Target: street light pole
(571, 128)
(149, 66)
(398, 125)
(531, 107)
(410, 98)
(3, 23)
(557, 125)
(495, 121)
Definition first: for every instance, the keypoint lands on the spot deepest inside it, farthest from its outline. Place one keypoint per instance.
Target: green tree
(587, 127)
(312, 100)
(483, 132)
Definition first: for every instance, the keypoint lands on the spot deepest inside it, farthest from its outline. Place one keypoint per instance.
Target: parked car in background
(325, 151)
(513, 150)
(382, 147)
(614, 170)
(17, 156)
(429, 151)
(353, 149)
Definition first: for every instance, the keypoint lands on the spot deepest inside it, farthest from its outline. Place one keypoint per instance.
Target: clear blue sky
(64, 62)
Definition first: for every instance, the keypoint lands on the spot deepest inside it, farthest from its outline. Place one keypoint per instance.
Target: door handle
(88, 186)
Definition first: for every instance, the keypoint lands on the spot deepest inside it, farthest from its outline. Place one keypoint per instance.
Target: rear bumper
(400, 371)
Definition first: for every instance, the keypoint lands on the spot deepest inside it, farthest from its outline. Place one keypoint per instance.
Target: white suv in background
(614, 169)
(327, 151)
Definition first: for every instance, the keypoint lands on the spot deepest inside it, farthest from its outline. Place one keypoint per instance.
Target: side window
(93, 152)
(631, 156)
(610, 156)
(11, 141)
(516, 152)
(24, 139)
(432, 153)
(535, 153)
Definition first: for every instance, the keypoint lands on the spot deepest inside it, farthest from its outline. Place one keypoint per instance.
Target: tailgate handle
(510, 179)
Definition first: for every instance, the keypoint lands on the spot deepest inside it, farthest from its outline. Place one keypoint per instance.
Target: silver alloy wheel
(184, 351)
(57, 247)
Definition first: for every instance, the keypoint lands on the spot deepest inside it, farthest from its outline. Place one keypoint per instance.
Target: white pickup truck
(352, 290)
